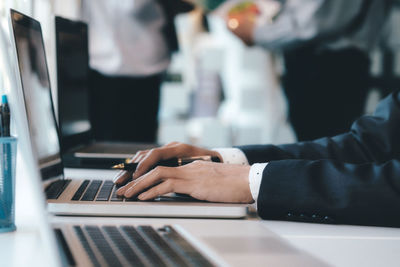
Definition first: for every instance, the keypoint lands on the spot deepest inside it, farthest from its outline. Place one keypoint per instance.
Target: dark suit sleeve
(331, 191)
(353, 178)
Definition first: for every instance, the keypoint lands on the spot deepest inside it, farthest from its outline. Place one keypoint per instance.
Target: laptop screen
(72, 72)
(37, 92)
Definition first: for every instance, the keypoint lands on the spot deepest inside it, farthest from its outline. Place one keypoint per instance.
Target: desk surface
(343, 245)
(337, 245)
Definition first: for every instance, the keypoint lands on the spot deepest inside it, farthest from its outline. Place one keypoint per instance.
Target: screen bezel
(82, 138)
(54, 167)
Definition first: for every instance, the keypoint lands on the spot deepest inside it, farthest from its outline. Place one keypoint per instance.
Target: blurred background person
(325, 46)
(130, 47)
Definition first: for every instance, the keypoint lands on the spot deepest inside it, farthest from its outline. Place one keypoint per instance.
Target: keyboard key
(91, 192)
(142, 246)
(103, 246)
(65, 248)
(168, 253)
(86, 246)
(184, 248)
(80, 190)
(105, 191)
(54, 190)
(114, 196)
(123, 246)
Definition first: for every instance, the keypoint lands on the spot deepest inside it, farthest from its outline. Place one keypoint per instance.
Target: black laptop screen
(72, 72)
(36, 90)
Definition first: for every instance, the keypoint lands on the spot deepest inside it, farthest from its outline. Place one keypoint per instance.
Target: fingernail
(121, 191)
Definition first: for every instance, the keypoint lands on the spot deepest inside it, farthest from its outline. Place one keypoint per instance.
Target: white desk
(343, 245)
(336, 245)
(24, 247)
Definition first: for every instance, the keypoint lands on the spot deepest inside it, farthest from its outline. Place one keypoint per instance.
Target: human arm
(331, 191)
(306, 190)
(300, 21)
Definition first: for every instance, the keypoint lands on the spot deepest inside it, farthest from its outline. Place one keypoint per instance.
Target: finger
(171, 144)
(136, 161)
(140, 157)
(155, 155)
(150, 179)
(137, 155)
(122, 177)
(146, 163)
(121, 190)
(163, 188)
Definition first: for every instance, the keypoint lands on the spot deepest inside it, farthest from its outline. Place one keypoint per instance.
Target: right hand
(147, 159)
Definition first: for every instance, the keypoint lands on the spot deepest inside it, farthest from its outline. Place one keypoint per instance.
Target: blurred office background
(217, 91)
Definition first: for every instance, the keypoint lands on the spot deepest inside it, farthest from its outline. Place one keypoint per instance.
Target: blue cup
(8, 159)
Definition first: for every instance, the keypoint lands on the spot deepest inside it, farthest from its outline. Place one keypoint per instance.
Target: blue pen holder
(8, 159)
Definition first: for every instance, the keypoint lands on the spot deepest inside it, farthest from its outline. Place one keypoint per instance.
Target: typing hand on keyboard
(147, 159)
(202, 180)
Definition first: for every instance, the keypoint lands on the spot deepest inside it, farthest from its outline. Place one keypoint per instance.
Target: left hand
(215, 182)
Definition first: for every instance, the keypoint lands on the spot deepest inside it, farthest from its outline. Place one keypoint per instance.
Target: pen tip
(118, 166)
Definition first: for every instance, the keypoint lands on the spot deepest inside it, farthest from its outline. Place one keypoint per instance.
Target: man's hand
(147, 159)
(241, 20)
(243, 27)
(216, 182)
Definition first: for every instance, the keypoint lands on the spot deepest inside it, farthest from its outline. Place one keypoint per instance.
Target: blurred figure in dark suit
(130, 44)
(325, 46)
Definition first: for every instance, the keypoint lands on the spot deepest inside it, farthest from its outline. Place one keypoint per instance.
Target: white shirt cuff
(255, 177)
(232, 156)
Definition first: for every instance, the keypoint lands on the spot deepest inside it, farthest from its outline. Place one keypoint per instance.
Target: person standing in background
(130, 44)
(325, 46)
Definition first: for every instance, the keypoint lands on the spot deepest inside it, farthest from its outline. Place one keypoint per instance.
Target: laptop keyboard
(105, 191)
(102, 191)
(91, 191)
(136, 246)
(54, 190)
(80, 190)
(97, 190)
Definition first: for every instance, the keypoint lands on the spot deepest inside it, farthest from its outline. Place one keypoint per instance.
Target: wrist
(231, 156)
(255, 177)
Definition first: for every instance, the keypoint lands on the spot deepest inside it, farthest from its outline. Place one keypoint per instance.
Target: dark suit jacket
(353, 178)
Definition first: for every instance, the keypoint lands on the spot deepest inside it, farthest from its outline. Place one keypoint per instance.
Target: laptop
(78, 146)
(96, 197)
(105, 241)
